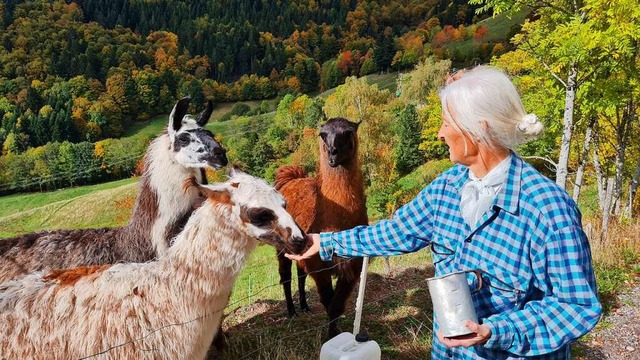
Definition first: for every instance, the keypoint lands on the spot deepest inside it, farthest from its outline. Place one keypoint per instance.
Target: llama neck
(161, 205)
(342, 185)
(210, 252)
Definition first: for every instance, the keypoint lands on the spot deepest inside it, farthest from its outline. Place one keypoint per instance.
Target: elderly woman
(494, 213)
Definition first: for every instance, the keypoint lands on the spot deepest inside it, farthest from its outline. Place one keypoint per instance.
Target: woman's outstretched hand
(480, 335)
(314, 240)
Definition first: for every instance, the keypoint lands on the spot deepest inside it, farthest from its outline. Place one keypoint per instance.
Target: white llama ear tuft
(177, 114)
(234, 171)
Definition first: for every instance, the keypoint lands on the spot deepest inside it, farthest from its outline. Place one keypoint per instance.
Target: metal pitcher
(452, 302)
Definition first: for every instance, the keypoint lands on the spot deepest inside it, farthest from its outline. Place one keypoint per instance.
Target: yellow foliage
(299, 105)
(98, 150)
(45, 111)
(293, 83)
(38, 85)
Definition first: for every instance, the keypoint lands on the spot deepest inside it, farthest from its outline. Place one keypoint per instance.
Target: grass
(149, 128)
(104, 205)
(16, 203)
(154, 126)
(396, 314)
(384, 81)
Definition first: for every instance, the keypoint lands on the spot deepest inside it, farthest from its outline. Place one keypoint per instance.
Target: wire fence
(251, 293)
(370, 303)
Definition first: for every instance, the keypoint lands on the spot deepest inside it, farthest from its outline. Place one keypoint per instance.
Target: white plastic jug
(348, 347)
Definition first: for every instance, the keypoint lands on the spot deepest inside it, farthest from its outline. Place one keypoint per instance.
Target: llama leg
(325, 290)
(302, 279)
(284, 268)
(220, 340)
(348, 275)
(324, 287)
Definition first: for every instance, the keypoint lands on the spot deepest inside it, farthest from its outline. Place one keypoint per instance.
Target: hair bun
(530, 126)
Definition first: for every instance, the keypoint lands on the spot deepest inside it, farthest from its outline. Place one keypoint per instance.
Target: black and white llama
(162, 207)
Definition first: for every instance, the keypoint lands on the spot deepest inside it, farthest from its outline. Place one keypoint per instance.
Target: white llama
(166, 309)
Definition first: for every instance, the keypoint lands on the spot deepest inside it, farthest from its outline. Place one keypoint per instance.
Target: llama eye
(261, 217)
(184, 139)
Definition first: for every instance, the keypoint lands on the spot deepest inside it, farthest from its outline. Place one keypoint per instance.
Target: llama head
(339, 141)
(259, 207)
(192, 144)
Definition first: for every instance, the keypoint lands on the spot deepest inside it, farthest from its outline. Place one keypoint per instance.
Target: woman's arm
(409, 230)
(569, 309)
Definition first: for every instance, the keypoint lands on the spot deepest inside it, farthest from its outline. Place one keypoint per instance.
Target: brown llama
(170, 308)
(331, 201)
(161, 209)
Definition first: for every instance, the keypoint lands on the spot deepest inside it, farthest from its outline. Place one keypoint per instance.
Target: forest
(76, 73)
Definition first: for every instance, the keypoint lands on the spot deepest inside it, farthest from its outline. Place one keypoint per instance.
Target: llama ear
(235, 170)
(220, 195)
(203, 119)
(219, 192)
(189, 183)
(178, 113)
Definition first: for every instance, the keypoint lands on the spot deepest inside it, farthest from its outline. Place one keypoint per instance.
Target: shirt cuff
(326, 246)
(502, 334)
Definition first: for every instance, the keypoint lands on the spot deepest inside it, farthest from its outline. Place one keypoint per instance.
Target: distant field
(229, 130)
(499, 28)
(155, 126)
(384, 81)
(13, 204)
(104, 205)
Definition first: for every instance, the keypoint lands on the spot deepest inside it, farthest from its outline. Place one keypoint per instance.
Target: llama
(333, 200)
(165, 309)
(161, 208)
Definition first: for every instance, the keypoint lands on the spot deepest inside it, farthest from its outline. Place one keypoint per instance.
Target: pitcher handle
(478, 274)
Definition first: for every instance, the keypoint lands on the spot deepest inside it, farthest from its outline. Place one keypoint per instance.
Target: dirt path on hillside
(618, 334)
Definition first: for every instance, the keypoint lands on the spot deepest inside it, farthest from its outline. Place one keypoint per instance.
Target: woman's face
(455, 140)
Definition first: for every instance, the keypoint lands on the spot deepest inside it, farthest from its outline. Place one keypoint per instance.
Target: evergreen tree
(384, 51)
(408, 130)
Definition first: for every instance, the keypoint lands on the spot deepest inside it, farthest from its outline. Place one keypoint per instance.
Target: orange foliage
(293, 83)
(344, 61)
(124, 208)
(481, 32)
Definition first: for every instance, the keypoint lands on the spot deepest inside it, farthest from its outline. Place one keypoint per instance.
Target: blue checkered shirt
(539, 290)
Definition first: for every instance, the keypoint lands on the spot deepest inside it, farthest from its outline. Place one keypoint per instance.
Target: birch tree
(561, 42)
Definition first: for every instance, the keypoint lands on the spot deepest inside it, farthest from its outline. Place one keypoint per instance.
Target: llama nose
(299, 244)
(220, 154)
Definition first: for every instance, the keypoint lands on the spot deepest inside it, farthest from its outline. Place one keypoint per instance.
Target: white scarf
(478, 194)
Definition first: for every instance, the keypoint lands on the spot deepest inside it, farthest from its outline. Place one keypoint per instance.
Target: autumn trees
(577, 64)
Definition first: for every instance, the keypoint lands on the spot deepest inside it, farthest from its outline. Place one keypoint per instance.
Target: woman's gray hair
(487, 107)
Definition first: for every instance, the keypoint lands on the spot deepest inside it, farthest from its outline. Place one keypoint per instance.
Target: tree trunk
(633, 188)
(583, 159)
(599, 179)
(606, 213)
(624, 129)
(565, 145)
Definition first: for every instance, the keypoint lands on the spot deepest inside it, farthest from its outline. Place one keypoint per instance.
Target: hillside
(76, 74)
